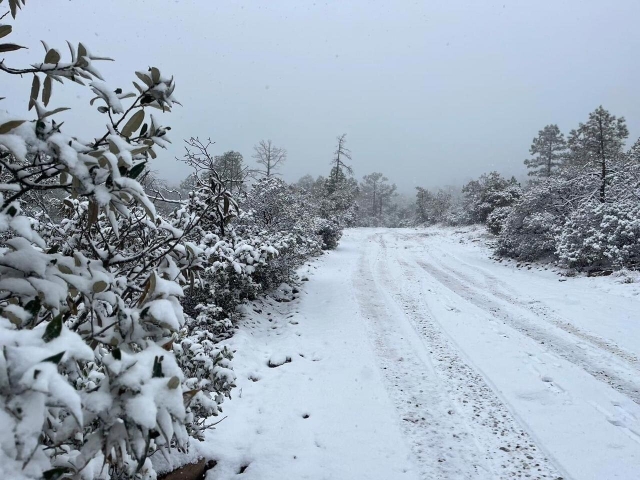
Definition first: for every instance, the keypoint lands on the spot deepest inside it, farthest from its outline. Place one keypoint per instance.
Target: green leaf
(5, 30)
(72, 51)
(138, 87)
(113, 148)
(55, 358)
(99, 286)
(138, 151)
(35, 90)
(155, 75)
(133, 124)
(64, 269)
(136, 170)
(82, 51)
(9, 47)
(53, 330)
(7, 127)
(53, 112)
(46, 91)
(52, 57)
(145, 79)
(14, 5)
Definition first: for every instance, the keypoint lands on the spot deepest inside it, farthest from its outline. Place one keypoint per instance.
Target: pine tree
(549, 150)
(371, 190)
(598, 144)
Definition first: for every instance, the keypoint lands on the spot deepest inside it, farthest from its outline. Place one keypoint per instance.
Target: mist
(429, 93)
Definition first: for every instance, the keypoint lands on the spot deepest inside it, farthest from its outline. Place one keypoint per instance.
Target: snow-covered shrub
(490, 191)
(283, 218)
(277, 229)
(458, 215)
(530, 230)
(435, 207)
(601, 236)
(330, 232)
(90, 293)
(496, 219)
(207, 368)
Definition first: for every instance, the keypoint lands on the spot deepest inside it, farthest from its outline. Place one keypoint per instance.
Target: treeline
(581, 207)
(371, 202)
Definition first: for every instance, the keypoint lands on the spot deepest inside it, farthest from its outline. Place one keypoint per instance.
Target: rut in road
(501, 290)
(457, 426)
(624, 379)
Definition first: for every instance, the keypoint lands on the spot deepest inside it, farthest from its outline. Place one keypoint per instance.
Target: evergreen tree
(370, 191)
(549, 150)
(598, 144)
(375, 195)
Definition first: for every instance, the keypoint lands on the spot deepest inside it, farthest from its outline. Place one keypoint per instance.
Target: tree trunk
(603, 161)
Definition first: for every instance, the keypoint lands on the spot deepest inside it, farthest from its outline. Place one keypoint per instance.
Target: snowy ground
(410, 354)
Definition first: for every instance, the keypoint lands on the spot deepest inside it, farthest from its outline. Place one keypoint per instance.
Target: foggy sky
(429, 93)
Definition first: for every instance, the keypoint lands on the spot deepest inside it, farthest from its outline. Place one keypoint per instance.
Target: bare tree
(197, 155)
(269, 156)
(228, 167)
(340, 154)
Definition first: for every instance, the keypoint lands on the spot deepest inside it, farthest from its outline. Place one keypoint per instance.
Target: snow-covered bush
(458, 215)
(277, 229)
(600, 236)
(490, 191)
(90, 287)
(529, 230)
(330, 233)
(497, 218)
(284, 218)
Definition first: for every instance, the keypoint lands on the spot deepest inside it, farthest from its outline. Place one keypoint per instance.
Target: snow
(416, 355)
(109, 95)
(15, 144)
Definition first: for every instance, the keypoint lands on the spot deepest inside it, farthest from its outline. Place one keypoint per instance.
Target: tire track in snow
(507, 448)
(475, 417)
(500, 289)
(629, 386)
(441, 443)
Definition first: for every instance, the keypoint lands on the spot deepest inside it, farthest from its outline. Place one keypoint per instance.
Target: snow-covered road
(416, 356)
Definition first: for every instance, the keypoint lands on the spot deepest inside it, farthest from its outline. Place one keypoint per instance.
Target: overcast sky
(429, 93)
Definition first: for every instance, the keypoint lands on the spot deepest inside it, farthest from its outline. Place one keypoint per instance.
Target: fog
(429, 93)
